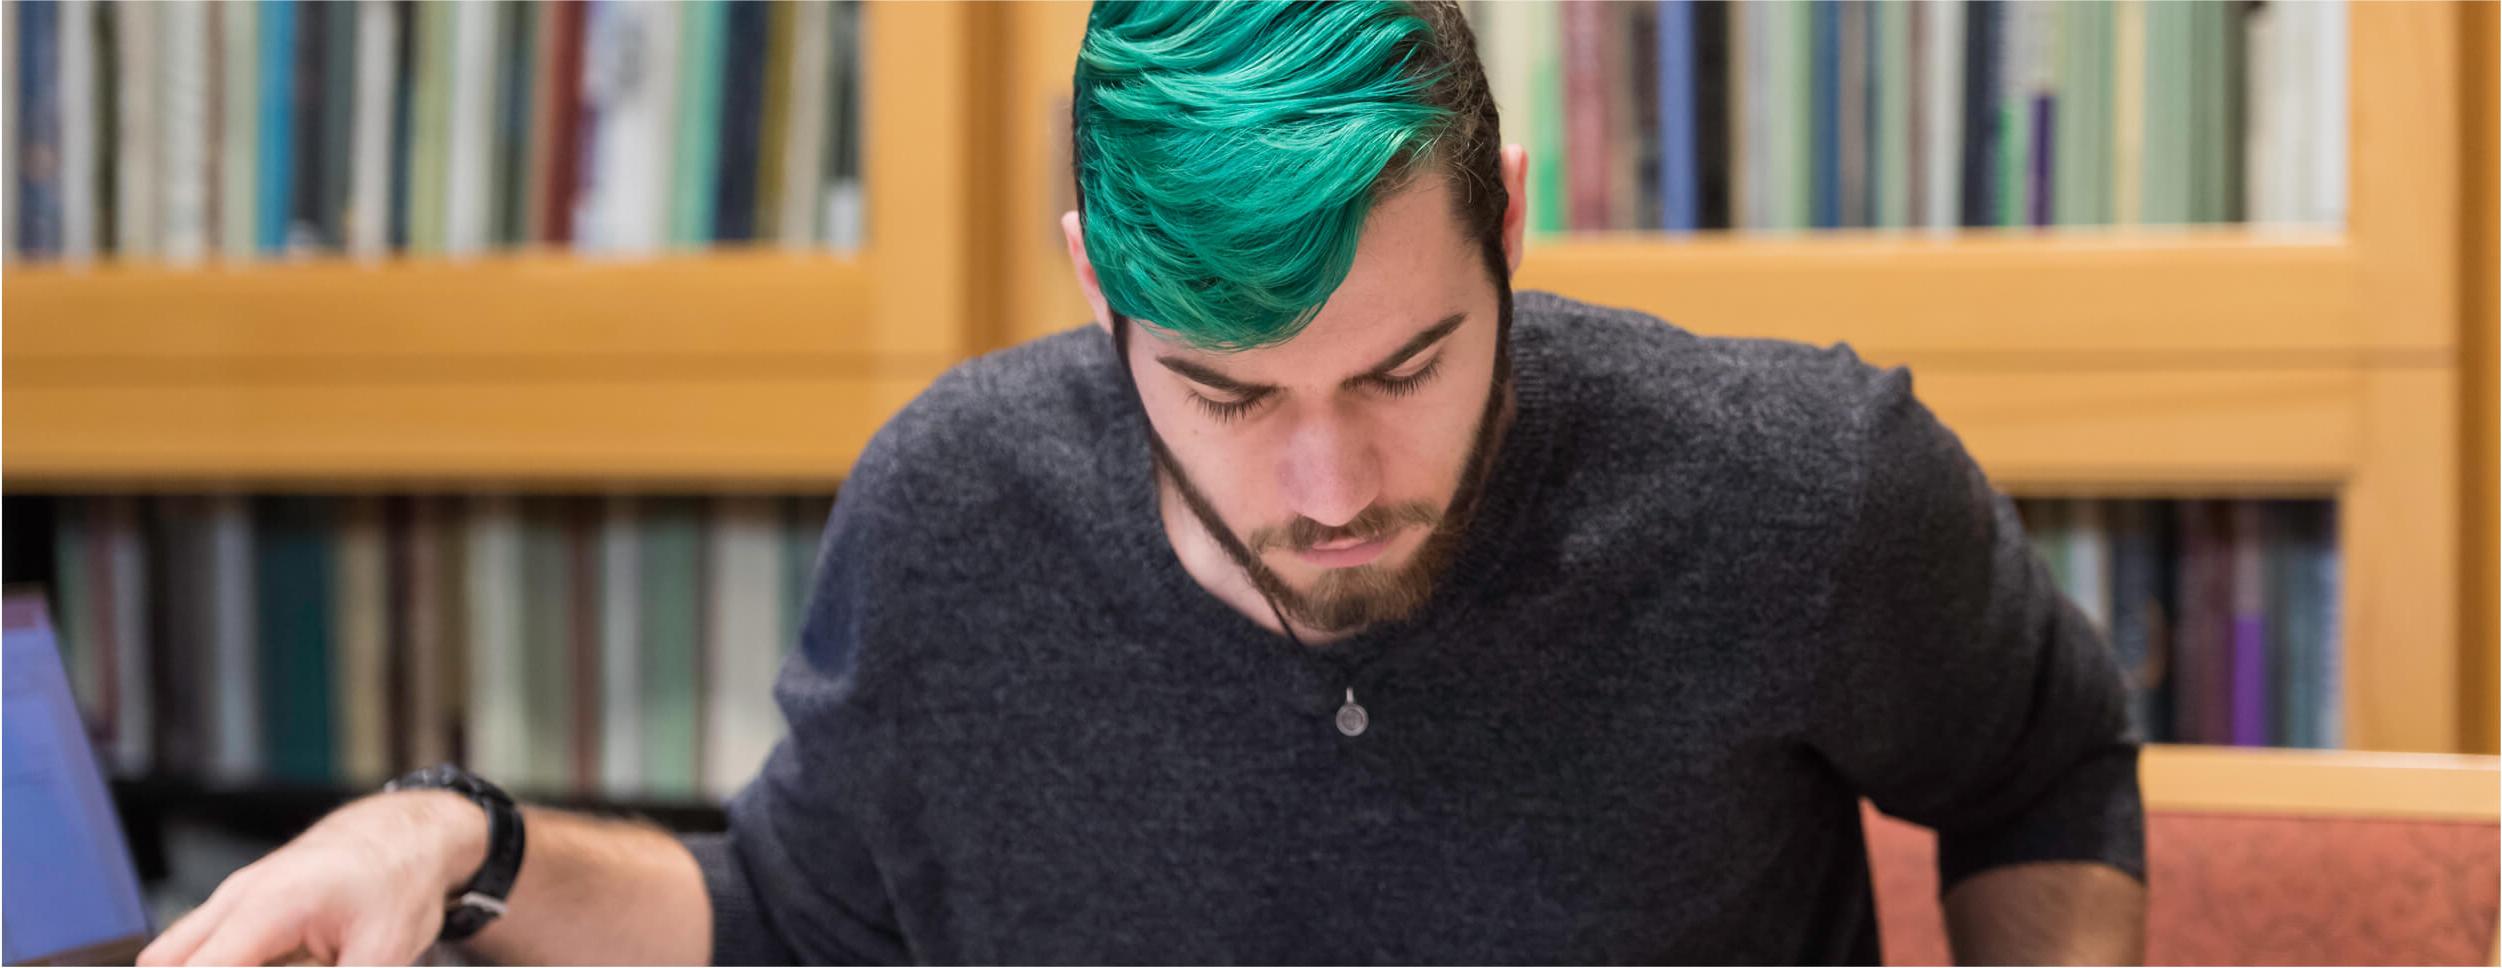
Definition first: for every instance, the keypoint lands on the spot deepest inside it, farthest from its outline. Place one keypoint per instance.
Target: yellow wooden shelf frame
(2107, 361)
(753, 368)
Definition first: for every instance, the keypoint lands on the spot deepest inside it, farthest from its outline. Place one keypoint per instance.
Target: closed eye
(1400, 386)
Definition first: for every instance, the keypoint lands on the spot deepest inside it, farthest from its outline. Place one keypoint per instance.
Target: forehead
(1412, 267)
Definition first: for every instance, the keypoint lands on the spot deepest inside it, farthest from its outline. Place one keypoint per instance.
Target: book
(360, 630)
(695, 165)
(12, 94)
(629, 84)
(232, 628)
(773, 117)
(1828, 63)
(1940, 136)
(1890, 175)
(621, 661)
(139, 66)
(741, 118)
(547, 646)
(516, 76)
(806, 113)
(497, 728)
(1712, 130)
(743, 640)
(561, 115)
(1977, 182)
(846, 212)
(2128, 111)
(2166, 155)
(671, 622)
(469, 130)
(368, 221)
(1549, 208)
(2250, 633)
(74, 88)
(184, 137)
(295, 601)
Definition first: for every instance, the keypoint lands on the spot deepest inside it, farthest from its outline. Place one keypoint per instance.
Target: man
(1327, 603)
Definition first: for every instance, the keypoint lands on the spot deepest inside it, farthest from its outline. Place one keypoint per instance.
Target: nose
(1330, 472)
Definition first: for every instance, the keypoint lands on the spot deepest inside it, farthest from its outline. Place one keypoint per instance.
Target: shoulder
(1757, 417)
(1014, 430)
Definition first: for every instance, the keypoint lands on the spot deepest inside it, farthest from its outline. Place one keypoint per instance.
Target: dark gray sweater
(1718, 591)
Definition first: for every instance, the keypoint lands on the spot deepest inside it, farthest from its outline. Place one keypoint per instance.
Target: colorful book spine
(1680, 187)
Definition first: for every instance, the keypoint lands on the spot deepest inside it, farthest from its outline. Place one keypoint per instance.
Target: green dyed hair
(1227, 153)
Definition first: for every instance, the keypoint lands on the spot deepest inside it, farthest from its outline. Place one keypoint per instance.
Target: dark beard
(1350, 598)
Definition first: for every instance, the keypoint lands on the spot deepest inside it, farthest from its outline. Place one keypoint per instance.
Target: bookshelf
(539, 370)
(2208, 362)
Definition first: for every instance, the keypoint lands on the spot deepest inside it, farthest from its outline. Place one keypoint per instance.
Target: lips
(1344, 554)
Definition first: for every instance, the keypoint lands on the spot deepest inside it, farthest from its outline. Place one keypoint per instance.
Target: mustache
(1302, 534)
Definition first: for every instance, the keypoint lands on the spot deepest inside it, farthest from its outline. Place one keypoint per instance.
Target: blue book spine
(1825, 21)
(38, 129)
(1679, 165)
(1980, 113)
(742, 121)
(277, 23)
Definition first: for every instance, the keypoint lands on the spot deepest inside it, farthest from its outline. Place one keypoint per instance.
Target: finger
(175, 946)
(252, 937)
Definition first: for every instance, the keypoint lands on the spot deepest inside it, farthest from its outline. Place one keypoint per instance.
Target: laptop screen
(67, 889)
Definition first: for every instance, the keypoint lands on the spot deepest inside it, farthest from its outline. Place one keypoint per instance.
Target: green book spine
(294, 601)
(2070, 200)
(695, 169)
(1546, 152)
(429, 197)
(1891, 175)
(672, 620)
(2165, 152)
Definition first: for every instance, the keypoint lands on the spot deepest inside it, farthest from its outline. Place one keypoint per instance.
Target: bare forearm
(600, 891)
(2063, 913)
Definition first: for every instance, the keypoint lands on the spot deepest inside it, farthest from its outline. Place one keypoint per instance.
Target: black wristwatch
(479, 902)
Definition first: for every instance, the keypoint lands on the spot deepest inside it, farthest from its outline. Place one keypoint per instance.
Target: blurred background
(391, 382)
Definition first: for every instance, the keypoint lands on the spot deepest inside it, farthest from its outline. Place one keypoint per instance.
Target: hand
(365, 886)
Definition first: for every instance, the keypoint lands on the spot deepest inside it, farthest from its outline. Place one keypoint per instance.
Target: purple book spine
(2250, 685)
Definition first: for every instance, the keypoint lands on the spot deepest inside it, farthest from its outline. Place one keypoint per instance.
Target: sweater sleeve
(796, 878)
(1959, 689)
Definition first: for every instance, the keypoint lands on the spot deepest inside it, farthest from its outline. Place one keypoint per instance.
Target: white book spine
(238, 130)
(135, 161)
(2324, 196)
(77, 89)
(472, 135)
(742, 641)
(369, 174)
(1942, 97)
(235, 706)
(630, 82)
(497, 732)
(183, 126)
(803, 150)
(620, 648)
(2089, 562)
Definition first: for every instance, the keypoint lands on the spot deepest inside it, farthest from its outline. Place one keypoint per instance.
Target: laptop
(68, 892)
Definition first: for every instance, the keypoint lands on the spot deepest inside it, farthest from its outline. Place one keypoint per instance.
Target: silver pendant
(1351, 717)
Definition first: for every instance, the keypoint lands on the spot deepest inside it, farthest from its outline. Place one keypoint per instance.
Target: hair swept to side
(1228, 152)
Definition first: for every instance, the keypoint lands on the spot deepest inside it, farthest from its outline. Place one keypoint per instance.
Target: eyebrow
(1217, 380)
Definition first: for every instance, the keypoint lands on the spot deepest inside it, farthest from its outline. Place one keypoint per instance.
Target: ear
(1515, 160)
(1076, 236)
